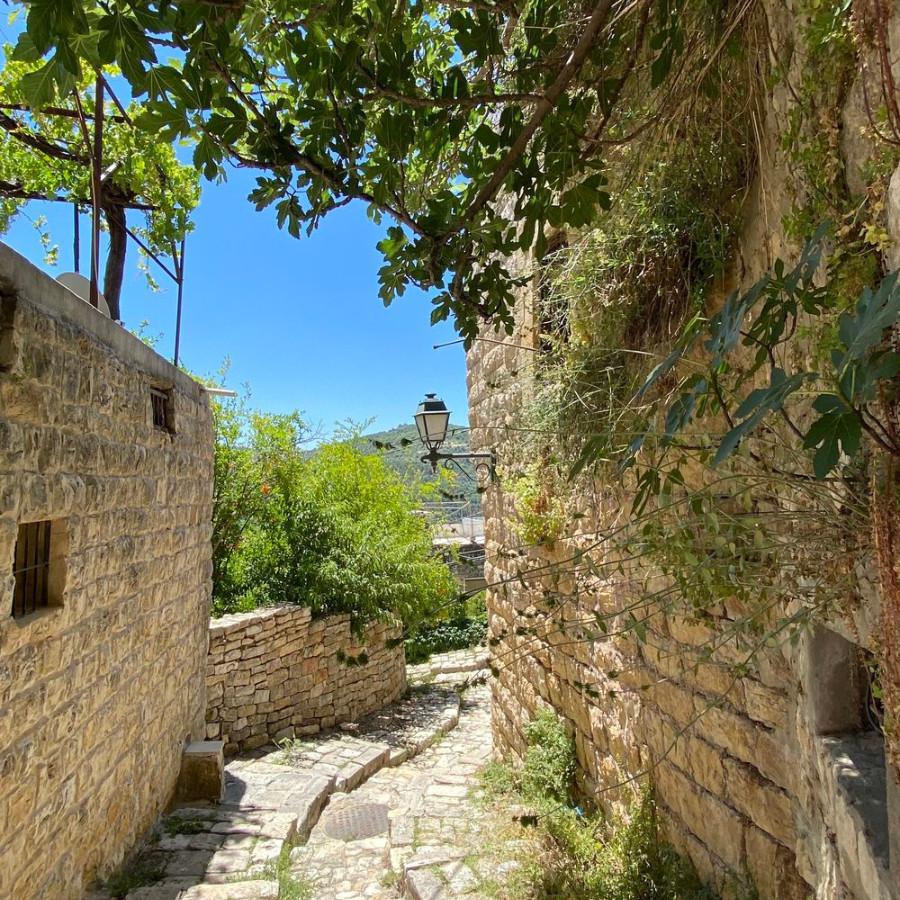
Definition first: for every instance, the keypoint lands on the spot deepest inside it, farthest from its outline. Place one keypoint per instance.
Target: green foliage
(290, 886)
(426, 112)
(463, 627)
(540, 508)
(761, 321)
(546, 777)
(402, 450)
(811, 140)
(550, 764)
(497, 779)
(180, 825)
(45, 153)
(592, 857)
(333, 529)
(139, 872)
(615, 293)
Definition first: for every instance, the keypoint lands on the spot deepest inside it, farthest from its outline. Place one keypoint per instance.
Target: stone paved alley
(428, 820)
(380, 809)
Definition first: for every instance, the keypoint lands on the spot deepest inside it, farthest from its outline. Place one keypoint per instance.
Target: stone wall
(749, 785)
(766, 779)
(99, 690)
(276, 673)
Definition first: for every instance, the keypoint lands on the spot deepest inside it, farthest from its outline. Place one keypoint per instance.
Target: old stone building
(105, 567)
(771, 778)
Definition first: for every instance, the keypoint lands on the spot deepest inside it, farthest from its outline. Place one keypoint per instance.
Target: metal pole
(77, 247)
(180, 270)
(96, 188)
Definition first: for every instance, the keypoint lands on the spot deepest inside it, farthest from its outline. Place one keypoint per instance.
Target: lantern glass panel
(432, 419)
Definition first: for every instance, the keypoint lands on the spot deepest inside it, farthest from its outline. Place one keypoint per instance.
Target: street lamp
(432, 418)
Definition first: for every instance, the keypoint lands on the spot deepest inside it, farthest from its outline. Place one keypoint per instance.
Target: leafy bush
(333, 529)
(550, 762)
(593, 857)
(464, 627)
(540, 511)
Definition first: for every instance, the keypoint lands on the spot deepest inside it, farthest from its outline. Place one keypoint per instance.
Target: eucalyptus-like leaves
(746, 338)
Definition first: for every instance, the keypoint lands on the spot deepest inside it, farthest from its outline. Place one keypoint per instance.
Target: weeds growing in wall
(589, 856)
(713, 451)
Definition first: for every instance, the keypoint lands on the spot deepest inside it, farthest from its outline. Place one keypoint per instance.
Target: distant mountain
(402, 451)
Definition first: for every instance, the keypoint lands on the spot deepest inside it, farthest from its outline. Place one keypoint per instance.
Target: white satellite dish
(81, 287)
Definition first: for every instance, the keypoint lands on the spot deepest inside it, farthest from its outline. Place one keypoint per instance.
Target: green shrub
(136, 873)
(540, 510)
(333, 529)
(464, 627)
(550, 764)
(592, 857)
(633, 863)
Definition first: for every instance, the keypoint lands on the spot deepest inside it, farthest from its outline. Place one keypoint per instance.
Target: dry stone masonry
(770, 778)
(276, 673)
(101, 686)
(749, 784)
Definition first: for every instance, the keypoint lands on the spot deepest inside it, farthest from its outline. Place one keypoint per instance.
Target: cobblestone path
(424, 822)
(395, 793)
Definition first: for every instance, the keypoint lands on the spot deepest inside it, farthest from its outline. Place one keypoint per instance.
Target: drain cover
(356, 821)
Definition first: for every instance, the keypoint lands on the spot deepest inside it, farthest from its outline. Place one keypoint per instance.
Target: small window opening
(843, 685)
(161, 403)
(847, 713)
(31, 569)
(554, 328)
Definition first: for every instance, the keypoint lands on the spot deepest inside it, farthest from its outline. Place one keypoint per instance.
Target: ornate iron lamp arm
(485, 463)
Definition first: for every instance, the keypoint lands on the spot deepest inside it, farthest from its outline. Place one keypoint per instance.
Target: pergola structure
(102, 197)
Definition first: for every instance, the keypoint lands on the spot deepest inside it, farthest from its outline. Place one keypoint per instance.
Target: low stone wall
(275, 673)
(102, 684)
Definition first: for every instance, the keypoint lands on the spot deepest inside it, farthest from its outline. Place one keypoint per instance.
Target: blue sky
(300, 320)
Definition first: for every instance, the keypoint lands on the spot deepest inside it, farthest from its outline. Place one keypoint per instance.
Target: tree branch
(18, 131)
(543, 107)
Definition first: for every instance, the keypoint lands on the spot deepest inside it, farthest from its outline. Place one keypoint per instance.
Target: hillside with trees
(402, 450)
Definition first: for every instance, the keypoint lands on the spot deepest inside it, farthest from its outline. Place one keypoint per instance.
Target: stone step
(451, 668)
(237, 890)
(211, 852)
(435, 873)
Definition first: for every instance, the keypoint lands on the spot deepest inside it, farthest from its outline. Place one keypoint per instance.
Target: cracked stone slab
(424, 884)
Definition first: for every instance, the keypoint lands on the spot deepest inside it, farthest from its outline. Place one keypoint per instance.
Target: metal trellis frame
(93, 141)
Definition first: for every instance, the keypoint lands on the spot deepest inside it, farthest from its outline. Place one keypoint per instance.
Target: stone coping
(38, 288)
(234, 621)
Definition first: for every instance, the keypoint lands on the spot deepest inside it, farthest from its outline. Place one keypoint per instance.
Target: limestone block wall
(275, 673)
(100, 690)
(750, 780)
(748, 783)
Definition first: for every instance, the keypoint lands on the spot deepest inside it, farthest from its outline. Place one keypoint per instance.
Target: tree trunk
(115, 259)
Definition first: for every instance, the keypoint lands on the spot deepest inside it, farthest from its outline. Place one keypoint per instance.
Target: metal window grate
(159, 400)
(31, 569)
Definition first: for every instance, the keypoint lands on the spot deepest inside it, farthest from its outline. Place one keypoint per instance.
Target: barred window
(31, 569)
(161, 406)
